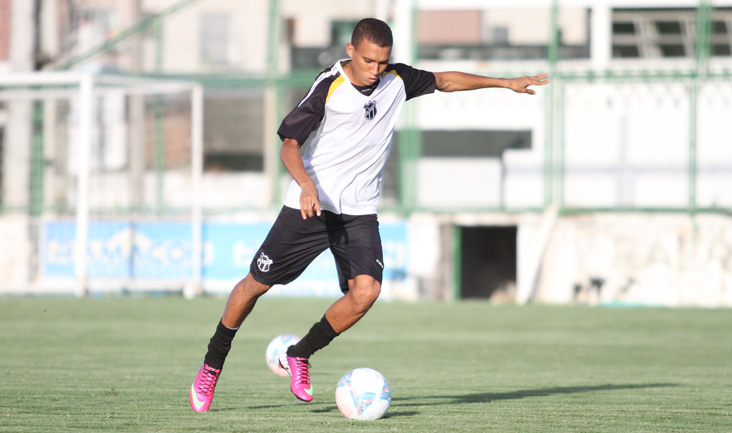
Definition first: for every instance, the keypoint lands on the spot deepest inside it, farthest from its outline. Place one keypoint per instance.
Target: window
(719, 28)
(473, 143)
(667, 33)
(672, 50)
(233, 131)
(625, 51)
(623, 28)
(668, 27)
(721, 50)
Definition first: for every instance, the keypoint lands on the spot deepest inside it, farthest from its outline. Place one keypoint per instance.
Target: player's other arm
(291, 159)
(456, 81)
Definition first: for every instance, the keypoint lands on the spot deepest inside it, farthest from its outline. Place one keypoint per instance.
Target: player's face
(368, 61)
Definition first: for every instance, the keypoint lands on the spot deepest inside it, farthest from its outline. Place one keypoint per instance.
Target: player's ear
(350, 49)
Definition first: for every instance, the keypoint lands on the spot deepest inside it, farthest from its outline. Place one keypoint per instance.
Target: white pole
(403, 23)
(86, 116)
(195, 287)
(601, 49)
(16, 152)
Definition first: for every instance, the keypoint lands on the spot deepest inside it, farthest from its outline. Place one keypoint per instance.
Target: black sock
(219, 346)
(319, 336)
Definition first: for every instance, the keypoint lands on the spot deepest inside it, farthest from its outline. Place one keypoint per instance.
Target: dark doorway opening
(487, 261)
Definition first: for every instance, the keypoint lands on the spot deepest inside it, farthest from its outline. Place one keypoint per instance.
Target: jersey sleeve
(417, 82)
(304, 118)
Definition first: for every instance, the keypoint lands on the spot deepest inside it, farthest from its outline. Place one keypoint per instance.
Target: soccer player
(332, 201)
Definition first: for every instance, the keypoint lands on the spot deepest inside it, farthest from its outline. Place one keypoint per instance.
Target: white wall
(659, 260)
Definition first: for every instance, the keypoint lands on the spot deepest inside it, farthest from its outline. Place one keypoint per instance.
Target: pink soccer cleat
(202, 390)
(299, 371)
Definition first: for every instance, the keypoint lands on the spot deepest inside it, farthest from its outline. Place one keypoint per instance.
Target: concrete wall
(666, 260)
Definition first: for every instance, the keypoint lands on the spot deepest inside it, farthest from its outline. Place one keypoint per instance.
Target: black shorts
(293, 243)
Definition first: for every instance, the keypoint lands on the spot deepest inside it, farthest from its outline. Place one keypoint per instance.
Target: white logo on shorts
(263, 262)
(380, 264)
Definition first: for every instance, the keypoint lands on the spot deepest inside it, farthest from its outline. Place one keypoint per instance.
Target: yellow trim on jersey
(392, 71)
(333, 86)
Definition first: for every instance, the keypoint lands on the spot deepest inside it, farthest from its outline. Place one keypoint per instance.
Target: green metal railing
(153, 21)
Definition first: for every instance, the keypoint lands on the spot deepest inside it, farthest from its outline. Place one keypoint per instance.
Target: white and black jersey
(353, 130)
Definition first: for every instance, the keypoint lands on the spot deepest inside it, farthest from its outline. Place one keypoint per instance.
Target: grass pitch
(126, 364)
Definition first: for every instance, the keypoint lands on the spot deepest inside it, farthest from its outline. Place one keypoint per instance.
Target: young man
(332, 201)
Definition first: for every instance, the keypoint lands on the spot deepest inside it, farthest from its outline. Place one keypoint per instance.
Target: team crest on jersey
(263, 262)
(370, 108)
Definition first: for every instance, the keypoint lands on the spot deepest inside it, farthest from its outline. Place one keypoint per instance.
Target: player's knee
(251, 287)
(365, 292)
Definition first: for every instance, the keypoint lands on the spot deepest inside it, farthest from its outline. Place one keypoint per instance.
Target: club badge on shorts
(263, 262)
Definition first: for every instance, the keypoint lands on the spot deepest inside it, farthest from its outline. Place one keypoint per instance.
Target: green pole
(273, 41)
(159, 125)
(35, 205)
(553, 48)
(703, 37)
(562, 149)
(273, 99)
(550, 118)
(693, 109)
(702, 53)
(457, 262)
(159, 156)
(410, 137)
(415, 134)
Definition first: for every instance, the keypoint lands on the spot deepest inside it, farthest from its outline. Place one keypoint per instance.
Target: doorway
(487, 263)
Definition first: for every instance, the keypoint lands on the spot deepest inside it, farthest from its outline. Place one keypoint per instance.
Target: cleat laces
(208, 380)
(303, 373)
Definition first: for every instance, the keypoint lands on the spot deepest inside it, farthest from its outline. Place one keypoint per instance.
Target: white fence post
(86, 119)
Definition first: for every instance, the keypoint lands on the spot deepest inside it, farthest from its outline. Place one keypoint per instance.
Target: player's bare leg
(241, 301)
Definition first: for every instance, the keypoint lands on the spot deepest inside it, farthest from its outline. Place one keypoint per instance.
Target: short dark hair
(373, 30)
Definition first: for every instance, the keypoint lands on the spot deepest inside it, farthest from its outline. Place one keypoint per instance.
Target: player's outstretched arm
(457, 81)
(292, 160)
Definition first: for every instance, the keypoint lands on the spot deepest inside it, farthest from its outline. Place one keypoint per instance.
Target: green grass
(126, 364)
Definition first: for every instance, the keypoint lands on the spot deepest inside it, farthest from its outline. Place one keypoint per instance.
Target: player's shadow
(400, 403)
(487, 397)
(223, 409)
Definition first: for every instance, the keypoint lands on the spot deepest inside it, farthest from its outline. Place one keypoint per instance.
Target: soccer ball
(276, 347)
(363, 394)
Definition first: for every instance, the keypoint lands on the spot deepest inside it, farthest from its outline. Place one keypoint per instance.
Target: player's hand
(309, 201)
(521, 84)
